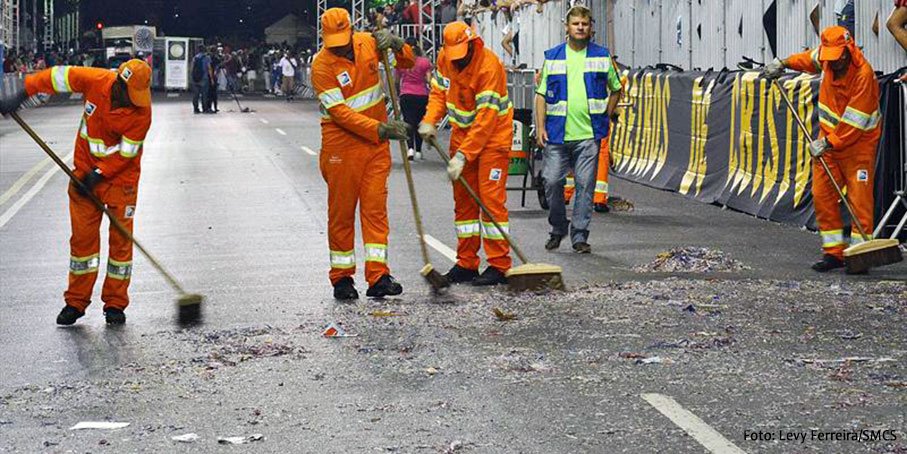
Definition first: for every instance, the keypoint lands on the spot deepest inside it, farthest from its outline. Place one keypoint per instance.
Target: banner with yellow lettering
(723, 138)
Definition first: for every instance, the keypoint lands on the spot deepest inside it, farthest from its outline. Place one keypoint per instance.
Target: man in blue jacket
(572, 111)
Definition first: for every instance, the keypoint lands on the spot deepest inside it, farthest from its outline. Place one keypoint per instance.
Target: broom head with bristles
(535, 276)
(189, 309)
(436, 280)
(859, 258)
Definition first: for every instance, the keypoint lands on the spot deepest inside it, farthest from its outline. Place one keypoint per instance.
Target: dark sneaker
(601, 208)
(554, 242)
(344, 289)
(828, 263)
(69, 315)
(114, 316)
(386, 286)
(491, 276)
(458, 275)
(582, 248)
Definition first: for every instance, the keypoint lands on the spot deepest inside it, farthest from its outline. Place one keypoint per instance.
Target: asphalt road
(234, 205)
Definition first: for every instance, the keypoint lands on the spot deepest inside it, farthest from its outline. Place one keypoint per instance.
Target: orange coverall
(354, 162)
(110, 140)
(849, 119)
(481, 117)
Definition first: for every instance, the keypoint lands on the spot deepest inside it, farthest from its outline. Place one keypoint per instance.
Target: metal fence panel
(793, 27)
(882, 51)
(744, 31)
(648, 32)
(675, 37)
(624, 31)
(707, 24)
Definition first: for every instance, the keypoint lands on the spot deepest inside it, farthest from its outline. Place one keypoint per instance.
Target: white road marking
(263, 120)
(173, 95)
(441, 247)
(12, 210)
(308, 150)
(692, 425)
(22, 180)
(280, 131)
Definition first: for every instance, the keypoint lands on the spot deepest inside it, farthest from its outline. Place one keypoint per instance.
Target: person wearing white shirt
(288, 70)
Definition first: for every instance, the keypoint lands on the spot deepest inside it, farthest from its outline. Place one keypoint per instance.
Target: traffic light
(99, 25)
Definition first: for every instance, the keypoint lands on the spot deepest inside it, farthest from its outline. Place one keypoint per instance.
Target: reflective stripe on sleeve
(59, 76)
(130, 148)
(331, 98)
(861, 120)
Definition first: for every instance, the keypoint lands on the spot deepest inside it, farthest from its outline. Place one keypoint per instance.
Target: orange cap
(335, 27)
(834, 40)
(137, 75)
(457, 36)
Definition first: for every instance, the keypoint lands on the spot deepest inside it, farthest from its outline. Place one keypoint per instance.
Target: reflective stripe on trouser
(853, 168)
(601, 176)
(582, 157)
(85, 244)
(479, 173)
(357, 176)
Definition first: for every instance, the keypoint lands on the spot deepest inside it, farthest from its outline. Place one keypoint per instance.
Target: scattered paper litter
(99, 425)
(240, 440)
(334, 330)
(186, 438)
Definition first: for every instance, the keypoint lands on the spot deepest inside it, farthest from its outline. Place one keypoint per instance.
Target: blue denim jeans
(582, 157)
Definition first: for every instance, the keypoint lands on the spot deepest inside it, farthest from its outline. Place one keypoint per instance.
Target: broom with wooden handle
(870, 253)
(189, 305)
(528, 276)
(436, 280)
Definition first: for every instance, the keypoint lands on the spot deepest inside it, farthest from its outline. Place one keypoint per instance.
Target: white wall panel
(795, 33)
(647, 23)
(745, 35)
(624, 31)
(707, 31)
(675, 37)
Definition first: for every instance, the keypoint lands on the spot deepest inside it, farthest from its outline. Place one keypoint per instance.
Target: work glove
(455, 165)
(773, 70)
(817, 147)
(393, 130)
(428, 132)
(89, 181)
(387, 40)
(13, 95)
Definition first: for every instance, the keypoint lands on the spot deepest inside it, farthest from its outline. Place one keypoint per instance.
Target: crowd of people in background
(26, 61)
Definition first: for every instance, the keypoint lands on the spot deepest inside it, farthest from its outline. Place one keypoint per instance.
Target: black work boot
(554, 242)
(582, 247)
(458, 275)
(114, 316)
(345, 289)
(69, 315)
(828, 263)
(601, 208)
(386, 286)
(491, 276)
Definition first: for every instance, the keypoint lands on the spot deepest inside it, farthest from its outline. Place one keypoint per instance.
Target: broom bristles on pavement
(189, 309)
(437, 280)
(535, 276)
(859, 258)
